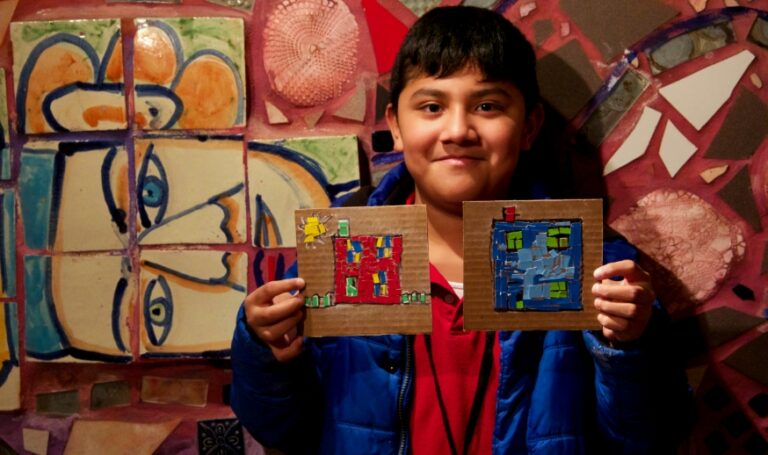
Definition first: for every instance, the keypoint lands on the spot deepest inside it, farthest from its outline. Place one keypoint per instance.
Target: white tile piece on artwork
(700, 95)
(709, 175)
(636, 143)
(675, 149)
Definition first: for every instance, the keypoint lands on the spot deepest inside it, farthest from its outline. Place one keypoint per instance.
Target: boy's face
(461, 136)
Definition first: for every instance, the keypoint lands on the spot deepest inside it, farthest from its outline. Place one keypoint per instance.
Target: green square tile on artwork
(336, 155)
(68, 75)
(189, 73)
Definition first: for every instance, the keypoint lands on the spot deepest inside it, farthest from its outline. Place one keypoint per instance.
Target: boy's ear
(394, 127)
(532, 126)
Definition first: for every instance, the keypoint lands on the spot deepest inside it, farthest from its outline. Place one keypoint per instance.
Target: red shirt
(457, 356)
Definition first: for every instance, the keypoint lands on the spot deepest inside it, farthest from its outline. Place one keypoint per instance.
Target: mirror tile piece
(621, 98)
(689, 46)
(743, 130)
(618, 24)
(739, 196)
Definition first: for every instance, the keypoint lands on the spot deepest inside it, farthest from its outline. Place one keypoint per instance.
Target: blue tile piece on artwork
(35, 184)
(222, 436)
(537, 265)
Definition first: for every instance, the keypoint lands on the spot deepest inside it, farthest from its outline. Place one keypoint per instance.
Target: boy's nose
(459, 127)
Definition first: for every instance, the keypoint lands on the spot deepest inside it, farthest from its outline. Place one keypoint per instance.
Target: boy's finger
(264, 295)
(622, 310)
(262, 316)
(622, 292)
(277, 330)
(627, 269)
(616, 324)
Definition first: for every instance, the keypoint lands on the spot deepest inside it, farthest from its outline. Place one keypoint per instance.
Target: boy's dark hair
(448, 39)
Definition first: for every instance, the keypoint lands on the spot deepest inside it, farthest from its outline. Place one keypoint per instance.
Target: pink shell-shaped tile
(310, 50)
(693, 246)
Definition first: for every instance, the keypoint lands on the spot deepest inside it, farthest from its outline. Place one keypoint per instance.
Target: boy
(464, 107)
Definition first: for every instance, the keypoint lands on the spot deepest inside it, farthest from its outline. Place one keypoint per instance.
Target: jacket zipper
(401, 395)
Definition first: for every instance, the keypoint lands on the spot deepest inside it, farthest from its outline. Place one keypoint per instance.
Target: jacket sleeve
(643, 402)
(278, 403)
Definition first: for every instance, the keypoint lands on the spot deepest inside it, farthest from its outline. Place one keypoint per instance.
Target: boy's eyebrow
(426, 91)
(432, 92)
(491, 91)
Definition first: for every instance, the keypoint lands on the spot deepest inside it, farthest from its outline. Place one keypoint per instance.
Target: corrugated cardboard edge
(316, 266)
(479, 313)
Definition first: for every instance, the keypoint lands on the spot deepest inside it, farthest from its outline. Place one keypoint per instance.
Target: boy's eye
(487, 107)
(431, 108)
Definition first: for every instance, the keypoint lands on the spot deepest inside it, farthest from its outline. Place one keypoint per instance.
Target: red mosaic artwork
(367, 269)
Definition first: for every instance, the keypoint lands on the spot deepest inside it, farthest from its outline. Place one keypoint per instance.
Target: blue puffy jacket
(559, 392)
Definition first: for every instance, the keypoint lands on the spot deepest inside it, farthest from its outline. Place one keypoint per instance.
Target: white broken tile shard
(700, 95)
(636, 143)
(709, 175)
(675, 149)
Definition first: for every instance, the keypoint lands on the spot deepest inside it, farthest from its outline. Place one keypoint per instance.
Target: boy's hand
(274, 314)
(624, 306)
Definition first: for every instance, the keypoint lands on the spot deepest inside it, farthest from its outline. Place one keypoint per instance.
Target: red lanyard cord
(477, 401)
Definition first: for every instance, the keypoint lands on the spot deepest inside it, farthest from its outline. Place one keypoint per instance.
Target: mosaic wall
(151, 156)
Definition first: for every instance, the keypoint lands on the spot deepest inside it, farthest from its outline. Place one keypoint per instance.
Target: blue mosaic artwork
(537, 265)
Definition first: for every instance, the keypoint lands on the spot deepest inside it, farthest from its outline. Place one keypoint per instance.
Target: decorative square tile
(189, 73)
(190, 191)
(68, 75)
(74, 195)
(189, 301)
(62, 324)
(297, 173)
(223, 436)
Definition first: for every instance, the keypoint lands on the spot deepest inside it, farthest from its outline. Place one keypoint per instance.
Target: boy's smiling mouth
(459, 160)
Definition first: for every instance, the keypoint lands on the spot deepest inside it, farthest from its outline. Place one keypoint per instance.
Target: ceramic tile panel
(190, 191)
(62, 324)
(68, 75)
(189, 301)
(74, 195)
(189, 73)
(296, 173)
